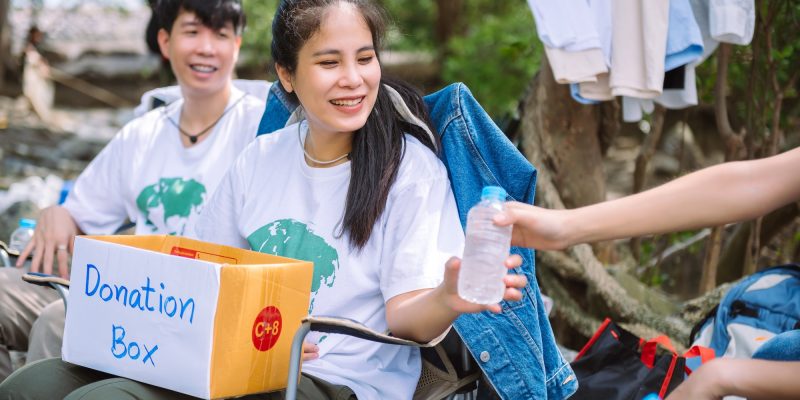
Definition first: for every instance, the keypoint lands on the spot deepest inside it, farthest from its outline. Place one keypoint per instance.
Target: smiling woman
(362, 195)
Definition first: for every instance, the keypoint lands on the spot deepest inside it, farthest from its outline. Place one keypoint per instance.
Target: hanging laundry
(645, 51)
(638, 41)
(684, 40)
(638, 47)
(675, 78)
(575, 66)
(684, 45)
(734, 22)
(594, 91)
(570, 37)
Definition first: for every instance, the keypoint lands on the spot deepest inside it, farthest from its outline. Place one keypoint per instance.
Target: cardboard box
(207, 320)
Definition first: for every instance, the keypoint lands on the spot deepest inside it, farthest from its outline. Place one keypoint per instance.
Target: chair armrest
(5, 253)
(58, 283)
(341, 326)
(37, 278)
(356, 329)
(10, 251)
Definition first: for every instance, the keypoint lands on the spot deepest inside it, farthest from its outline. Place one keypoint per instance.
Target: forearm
(713, 196)
(421, 315)
(760, 379)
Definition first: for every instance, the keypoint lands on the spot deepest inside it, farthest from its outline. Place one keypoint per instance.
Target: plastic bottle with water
(485, 251)
(22, 235)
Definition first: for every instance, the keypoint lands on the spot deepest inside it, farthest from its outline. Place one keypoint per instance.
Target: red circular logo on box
(267, 328)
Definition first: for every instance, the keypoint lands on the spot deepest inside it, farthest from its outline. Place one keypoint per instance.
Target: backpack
(757, 308)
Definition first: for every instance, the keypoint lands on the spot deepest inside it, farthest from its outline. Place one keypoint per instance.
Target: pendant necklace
(303, 146)
(193, 138)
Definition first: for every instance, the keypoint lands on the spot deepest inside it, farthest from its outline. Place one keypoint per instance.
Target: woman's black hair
(378, 147)
(212, 13)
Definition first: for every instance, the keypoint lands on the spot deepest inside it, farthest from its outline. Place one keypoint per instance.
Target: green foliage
(497, 57)
(413, 23)
(751, 89)
(258, 35)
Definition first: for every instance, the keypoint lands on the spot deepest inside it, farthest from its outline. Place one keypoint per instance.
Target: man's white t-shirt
(272, 201)
(146, 175)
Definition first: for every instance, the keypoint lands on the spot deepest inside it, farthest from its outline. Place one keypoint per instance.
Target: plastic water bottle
(22, 235)
(485, 251)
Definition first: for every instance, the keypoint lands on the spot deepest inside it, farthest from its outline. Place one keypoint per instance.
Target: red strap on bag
(706, 354)
(667, 379)
(594, 338)
(651, 346)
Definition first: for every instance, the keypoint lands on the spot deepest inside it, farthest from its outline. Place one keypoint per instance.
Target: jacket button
(485, 357)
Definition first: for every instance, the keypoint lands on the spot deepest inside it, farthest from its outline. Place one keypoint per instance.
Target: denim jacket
(515, 349)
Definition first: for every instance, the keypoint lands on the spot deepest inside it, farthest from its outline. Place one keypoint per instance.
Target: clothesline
(644, 51)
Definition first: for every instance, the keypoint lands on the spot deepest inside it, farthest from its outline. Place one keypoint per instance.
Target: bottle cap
(493, 192)
(27, 223)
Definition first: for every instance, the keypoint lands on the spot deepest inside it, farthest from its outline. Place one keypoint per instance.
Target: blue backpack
(759, 307)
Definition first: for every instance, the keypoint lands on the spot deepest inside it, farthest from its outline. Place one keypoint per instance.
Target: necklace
(193, 138)
(303, 146)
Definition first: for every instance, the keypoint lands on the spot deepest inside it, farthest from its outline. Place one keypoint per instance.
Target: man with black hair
(158, 171)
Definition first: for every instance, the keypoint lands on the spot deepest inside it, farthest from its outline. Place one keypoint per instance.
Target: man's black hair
(212, 13)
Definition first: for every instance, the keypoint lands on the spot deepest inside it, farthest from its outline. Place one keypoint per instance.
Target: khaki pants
(56, 379)
(20, 305)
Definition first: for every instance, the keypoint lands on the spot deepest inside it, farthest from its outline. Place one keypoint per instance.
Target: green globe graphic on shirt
(290, 238)
(168, 204)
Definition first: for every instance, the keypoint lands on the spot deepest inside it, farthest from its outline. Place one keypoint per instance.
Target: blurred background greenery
(489, 45)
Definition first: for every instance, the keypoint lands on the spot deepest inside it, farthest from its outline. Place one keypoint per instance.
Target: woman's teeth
(347, 103)
(203, 68)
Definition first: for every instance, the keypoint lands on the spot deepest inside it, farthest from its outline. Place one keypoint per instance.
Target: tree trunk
(5, 34)
(449, 22)
(572, 149)
(570, 141)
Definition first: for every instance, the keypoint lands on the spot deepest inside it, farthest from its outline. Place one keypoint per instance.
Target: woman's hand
(424, 314)
(514, 284)
(310, 351)
(535, 227)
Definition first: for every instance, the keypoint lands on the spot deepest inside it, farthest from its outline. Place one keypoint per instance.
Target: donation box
(198, 318)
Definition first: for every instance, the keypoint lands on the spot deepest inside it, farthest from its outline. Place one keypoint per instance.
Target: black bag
(616, 364)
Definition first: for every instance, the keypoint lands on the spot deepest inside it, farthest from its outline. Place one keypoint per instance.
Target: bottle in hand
(485, 251)
(22, 235)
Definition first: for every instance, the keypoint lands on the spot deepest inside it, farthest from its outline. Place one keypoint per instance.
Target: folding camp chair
(444, 373)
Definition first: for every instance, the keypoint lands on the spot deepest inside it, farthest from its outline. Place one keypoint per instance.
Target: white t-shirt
(272, 201)
(146, 175)
(566, 24)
